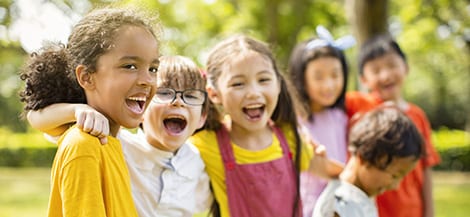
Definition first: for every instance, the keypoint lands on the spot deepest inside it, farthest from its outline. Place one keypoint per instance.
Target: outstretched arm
(323, 166)
(55, 120)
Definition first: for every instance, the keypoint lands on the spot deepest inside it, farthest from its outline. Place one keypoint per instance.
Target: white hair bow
(325, 38)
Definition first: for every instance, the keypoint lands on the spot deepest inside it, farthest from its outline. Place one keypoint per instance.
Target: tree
(367, 18)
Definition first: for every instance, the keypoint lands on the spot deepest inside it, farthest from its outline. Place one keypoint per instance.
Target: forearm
(53, 119)
(427, 193)
(325, 167)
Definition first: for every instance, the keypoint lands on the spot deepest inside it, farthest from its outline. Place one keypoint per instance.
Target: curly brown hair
(49, 74)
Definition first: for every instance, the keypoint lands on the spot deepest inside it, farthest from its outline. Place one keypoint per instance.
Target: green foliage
(434, 35)
(31, 139)
(454, 148)
(25, 149)
(445, 138)
(27, 157)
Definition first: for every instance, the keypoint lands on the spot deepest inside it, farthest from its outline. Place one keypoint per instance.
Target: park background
(435, 35)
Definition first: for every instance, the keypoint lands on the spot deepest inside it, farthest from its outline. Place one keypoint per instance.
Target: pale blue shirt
(346, 200)
(164, 183)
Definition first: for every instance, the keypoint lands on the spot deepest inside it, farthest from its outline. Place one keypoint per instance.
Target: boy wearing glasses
(167, 173)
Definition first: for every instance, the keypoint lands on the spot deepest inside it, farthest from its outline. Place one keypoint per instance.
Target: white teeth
(175, 116)
(254, 106)
(137, 98)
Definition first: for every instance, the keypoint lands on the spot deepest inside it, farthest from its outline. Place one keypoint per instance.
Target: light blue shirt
(346, 200)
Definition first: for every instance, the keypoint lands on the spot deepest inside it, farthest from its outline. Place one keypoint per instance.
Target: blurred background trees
(434, 34)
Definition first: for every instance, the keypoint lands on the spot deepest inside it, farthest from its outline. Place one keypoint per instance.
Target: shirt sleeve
(420, 120)
(203, 193)
(81, 188)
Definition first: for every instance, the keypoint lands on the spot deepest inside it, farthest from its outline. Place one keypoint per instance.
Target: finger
(105, 130)
(88, 124)
(104, 140)
(96, 129)
(80, 117)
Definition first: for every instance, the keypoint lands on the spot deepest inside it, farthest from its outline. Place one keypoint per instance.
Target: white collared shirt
(346, 200)
(165, 184)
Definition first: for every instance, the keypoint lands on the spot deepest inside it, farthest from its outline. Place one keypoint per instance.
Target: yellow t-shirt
(89, 179)
(206, 142)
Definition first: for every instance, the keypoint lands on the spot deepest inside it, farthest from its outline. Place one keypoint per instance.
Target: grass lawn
(24, 193)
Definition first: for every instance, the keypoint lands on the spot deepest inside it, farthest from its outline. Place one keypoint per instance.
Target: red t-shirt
(406, 200)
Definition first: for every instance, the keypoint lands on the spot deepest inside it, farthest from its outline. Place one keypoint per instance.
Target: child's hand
(318, 149)
(92, 122)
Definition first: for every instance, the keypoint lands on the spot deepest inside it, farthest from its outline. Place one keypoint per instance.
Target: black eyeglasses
(189, 96)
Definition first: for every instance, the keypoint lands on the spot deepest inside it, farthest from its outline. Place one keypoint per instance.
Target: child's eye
(129, 66)
(263, 80)
(153, 70)
(236, 84)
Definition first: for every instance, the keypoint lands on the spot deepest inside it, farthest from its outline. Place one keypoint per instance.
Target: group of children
(233, 139)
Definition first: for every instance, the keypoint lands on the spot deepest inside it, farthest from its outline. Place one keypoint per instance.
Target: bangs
(179, 73)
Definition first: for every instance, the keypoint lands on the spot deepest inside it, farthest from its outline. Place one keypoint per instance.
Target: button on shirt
(164, 183)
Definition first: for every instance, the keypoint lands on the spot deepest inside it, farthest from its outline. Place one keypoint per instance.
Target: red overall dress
(267, 189)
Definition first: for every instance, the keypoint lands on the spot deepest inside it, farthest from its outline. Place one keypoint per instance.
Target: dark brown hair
(383, 134)
(299, 59)
(49, 74)
(376, 47)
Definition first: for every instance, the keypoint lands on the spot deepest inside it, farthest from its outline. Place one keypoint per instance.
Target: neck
(316, 108)
(251, 140)
(113, 129)
(350, 172)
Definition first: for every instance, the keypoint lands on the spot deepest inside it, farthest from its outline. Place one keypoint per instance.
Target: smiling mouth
(175, 124)
(136, 104)
(254, 112)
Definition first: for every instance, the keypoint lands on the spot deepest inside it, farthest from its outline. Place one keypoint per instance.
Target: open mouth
(136, 104)
(254, 111)
(175, 124)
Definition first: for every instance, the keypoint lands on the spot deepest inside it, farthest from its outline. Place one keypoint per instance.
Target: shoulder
(78, 143)
(359, 102)
(415, 110)
(417, 115)
(325, 206)
(351, 201)
(203, 139)
(189, 155)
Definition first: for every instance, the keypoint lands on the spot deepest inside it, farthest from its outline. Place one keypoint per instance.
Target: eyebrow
(136, 58)
(264, 72)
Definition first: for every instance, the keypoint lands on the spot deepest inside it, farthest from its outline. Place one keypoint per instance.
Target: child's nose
(253, 90)
(178, 100)
(384, 74)
(146, 78)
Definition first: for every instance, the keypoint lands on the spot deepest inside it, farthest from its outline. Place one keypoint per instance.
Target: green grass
(25, 191)
(451, 194)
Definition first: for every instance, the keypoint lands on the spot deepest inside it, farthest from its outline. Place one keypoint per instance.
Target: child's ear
(202, 120)
(213, 95)
(363, 81)
(84, 78)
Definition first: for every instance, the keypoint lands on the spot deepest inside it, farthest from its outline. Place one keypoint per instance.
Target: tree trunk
(367, 18)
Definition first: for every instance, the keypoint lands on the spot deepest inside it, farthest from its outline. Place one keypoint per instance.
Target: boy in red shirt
(383, 68)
